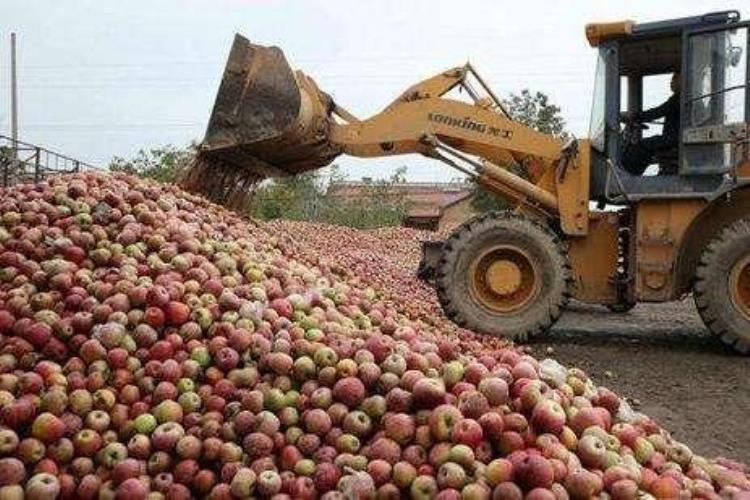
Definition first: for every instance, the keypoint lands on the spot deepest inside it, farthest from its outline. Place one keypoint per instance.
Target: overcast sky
(103, 78)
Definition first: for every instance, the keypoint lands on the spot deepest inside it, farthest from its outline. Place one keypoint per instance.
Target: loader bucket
(265, 115)
(267, 121)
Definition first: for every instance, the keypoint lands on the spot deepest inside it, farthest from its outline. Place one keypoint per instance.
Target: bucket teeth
(267, 121)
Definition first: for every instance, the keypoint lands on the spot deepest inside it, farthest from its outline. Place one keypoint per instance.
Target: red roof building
(431, 205)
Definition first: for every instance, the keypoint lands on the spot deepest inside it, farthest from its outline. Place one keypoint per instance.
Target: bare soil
(663, 360)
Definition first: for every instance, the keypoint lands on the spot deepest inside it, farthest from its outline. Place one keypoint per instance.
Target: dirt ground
(664, 361)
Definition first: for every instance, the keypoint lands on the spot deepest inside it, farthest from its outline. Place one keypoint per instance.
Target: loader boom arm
(482, 128)
(423, 120)
(271, 120)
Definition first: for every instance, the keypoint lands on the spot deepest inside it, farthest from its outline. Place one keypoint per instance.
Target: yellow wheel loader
(582, 224)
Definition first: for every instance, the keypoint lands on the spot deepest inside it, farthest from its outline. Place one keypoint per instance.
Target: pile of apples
(154, 345)
(386, 258)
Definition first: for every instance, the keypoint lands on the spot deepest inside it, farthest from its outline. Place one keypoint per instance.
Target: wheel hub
(504, 279)
(739, 286)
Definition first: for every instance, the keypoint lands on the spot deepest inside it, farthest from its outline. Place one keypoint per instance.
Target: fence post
(77, 167)
(36, 164)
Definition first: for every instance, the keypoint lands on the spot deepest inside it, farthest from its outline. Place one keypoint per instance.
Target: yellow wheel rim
(739, 286)
(504, 279)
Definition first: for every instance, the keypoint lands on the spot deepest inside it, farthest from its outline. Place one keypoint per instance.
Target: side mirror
(734, 55)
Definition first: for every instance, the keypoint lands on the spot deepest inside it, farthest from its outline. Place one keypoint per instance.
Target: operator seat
(668, 161)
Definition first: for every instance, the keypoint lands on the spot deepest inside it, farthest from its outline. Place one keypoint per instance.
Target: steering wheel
(630, 131)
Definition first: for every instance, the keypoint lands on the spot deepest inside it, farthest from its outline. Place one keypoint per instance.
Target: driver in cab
(639, 155)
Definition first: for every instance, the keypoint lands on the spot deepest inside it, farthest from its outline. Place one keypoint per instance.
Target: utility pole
(13, 97)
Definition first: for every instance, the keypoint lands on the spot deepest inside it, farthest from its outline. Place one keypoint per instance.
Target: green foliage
(162, 164)
(11, 167)
(533, 110)
(536, 111)
(485, 201)
(300, 197)
(6, 154)
(6, 157)
(379, 205)
(307, 197)
(296, 198)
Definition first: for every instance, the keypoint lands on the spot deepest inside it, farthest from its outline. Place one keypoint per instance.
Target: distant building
(431, 205)
(456, 213)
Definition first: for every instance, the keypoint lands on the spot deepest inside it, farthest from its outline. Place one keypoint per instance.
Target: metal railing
(22, 162)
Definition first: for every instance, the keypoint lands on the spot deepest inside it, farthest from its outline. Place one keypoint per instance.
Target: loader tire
(503, 274)
(722, 286)
(621, 307)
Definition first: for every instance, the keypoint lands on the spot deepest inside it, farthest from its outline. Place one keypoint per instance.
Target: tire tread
(709, 291)
(476, 226)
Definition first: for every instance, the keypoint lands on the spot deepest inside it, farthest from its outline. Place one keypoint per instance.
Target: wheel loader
(579, 224)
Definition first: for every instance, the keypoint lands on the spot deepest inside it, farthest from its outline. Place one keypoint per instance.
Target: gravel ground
(664, 361)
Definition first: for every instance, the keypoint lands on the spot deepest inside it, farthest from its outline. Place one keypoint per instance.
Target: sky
(103, 78)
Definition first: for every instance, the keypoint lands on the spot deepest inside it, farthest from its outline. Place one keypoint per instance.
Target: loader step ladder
(22, 162)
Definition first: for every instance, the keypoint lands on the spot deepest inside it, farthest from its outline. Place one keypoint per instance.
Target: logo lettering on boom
(467, 123)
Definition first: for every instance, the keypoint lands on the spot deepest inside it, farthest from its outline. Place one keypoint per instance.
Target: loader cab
(635, 63)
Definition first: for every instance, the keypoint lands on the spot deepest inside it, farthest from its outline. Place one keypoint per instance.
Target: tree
(533, 110)
(380, 204)
(6, 165)
(162, 164)
(536, 111)
(297, 197)
(308, 197)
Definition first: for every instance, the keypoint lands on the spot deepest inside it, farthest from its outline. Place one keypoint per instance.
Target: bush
(307, 197)
(163, 164)
(535, 111)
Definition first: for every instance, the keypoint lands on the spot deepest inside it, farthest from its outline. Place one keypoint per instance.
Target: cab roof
(596, 33)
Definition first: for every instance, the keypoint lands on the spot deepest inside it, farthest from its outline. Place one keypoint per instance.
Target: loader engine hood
(267, 118)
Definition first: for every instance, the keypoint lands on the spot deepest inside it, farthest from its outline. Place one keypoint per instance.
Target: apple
(548, 416)
(442, 420)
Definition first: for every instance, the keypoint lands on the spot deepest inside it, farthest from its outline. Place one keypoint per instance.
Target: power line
(340, 82)
(125, 126)
(321, 75)
(107, 127)
(374, 58)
